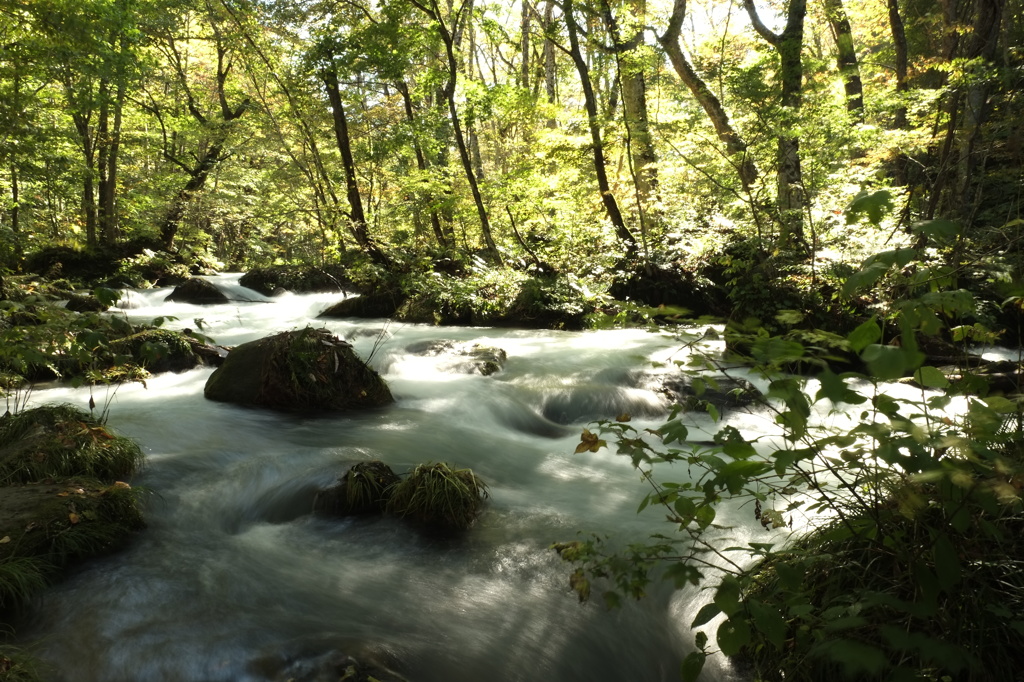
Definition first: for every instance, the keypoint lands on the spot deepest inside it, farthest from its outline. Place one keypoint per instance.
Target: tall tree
(846, 56)
(628, 47)
(735, 145)
(450, 27)
(611, 206)
(790, 198)
(215, 127)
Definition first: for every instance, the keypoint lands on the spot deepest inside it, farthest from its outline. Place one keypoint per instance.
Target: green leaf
(931, 377)
(872, 204)
(857, 660)
(693, 664)
(705, 516)
(864, 335)
(890, 362)
(835, 389)
(791, 575)
(938, 229)
(706, 613)
(733, 635)
(769, 622)
(727, 596)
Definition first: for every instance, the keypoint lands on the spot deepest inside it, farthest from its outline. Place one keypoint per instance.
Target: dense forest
(835, 187)
(579, 140)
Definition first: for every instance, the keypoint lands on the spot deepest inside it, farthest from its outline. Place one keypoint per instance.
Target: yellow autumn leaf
(5, 539)
(74, 518)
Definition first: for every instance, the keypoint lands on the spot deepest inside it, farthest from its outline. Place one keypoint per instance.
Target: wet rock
(378, 304)
(85, 303)
(363, 489)
(309, 370)
(197, 291)
(326, 661)
(271, 281)
(696, 393)
(466, 358)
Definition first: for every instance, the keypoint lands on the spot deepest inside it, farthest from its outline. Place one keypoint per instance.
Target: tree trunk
(734, 143)
(549, 62)
(597, 146)
(901, 67)
(846, 57)
(356, 215)
(789, 45)
(421, 163)
(448, 38)
(633, 85)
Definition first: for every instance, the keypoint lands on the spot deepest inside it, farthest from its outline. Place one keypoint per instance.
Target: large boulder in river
(307, 369)
(197, 291)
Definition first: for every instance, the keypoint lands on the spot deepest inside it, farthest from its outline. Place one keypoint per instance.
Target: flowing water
(235, 580)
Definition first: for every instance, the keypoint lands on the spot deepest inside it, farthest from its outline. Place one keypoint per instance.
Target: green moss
(54, 441)
(46, 526)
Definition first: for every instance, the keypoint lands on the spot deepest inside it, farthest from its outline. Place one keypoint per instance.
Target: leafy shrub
(908, 566)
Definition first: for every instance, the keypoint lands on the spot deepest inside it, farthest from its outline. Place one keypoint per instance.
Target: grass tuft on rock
(364, 489)
(311, 369)
(439, 496)
(54, 441)
(46, 526)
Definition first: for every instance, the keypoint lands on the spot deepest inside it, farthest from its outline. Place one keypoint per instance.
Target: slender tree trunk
(448, 38)
(597, 146)
(524, 44)
(789, 45)
(549, 62)
(846, 57)
(357, 217)
(421, 164)
(735, 146)
(633, 85)
(901, 68)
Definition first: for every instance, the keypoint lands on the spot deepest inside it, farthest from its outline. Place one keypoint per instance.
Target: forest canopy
(576, 136)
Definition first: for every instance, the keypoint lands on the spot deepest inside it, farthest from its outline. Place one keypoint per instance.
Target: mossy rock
(45, 526)
(197, 291)
(54, 441)
(467, 358)
(364, 489)
(158, 350)
(721, 392)
(378, 304)
(297, 278)
(439, 497)
(305, 370)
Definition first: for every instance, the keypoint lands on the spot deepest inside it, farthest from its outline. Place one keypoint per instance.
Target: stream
(235, 580)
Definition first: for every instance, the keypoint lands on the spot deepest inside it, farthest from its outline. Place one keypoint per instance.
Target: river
(235, 580)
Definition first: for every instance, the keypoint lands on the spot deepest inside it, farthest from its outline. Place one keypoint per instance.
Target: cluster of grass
(363, 489)
(434, 494)
(62, 497)
(61, 440)
(438, 495)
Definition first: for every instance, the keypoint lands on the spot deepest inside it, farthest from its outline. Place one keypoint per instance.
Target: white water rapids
(235, 580)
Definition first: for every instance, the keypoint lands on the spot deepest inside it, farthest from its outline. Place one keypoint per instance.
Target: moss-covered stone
(308, 370)
(378, 304)
(364, 489)
(54, 441)
(197, 291)
(45, 526)
(297, 278)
